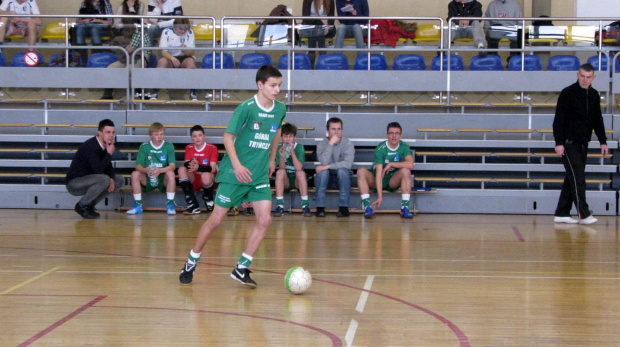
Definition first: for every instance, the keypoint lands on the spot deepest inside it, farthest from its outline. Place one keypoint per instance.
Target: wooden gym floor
(437, 280)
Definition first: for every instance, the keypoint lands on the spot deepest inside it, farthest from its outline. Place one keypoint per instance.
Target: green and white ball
(297, 280)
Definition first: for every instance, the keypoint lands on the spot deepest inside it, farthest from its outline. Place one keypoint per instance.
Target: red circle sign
(31, 59)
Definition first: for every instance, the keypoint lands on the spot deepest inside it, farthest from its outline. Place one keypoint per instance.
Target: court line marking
(29, 280)
(364, 295)
(517, 233)
(348, 338)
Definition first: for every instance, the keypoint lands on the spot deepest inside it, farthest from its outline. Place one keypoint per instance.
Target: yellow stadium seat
(204, 32)
(54, 31)
(428, 33)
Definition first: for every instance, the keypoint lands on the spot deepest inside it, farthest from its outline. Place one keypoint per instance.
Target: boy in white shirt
(24, 26)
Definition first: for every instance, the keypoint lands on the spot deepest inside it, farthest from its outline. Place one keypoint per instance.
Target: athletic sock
(188, 191)
(138, 199)
(207, 191)
(244, 261)
(405, 201)
(193, 257)
(280, 201)
(304, 200)
(366, 200)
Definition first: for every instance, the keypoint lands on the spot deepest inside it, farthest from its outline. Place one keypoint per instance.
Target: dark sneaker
(84, 212)
(233, 211)
(192, 209)
(320, 211)
(278, 212)
(187, 274)
(368, 212)
(405, 213)
(243, 276)
(193, 97)
(208, 203)
(343, 211)
(92, 211)
(305, 211)
(249, 211)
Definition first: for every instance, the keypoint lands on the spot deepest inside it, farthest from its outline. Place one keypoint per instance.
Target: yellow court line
(30, 280)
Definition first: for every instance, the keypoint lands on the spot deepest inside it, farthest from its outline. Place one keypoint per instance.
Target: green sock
(280, 201)
(170, 202)
(304, 202)
(244, 261)
(366, 202)
(404, 203)
(138, 202)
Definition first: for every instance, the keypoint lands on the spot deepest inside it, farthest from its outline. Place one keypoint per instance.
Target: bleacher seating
(409, 62)
(531, 63)
(2, 59)
(487, 63)
(300, 62)
(563, 62)
(377, 62)
(332, 61)
(207, 61)
(54, 31)
(593, 60)
(101, 59)
(254, 60)
(18, 59)
(456, 63)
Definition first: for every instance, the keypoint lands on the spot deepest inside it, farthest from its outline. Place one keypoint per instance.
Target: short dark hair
(394, 125)
(586, 67)
(334, 120)
(105, 123)
(289, 129)
(197, 128)
(265, 72)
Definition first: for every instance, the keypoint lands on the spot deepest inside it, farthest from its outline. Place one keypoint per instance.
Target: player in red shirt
(198, 171)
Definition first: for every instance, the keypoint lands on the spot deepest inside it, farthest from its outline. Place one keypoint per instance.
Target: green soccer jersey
(254, 129)
(300, 152)
(160, 156)
(385, 155)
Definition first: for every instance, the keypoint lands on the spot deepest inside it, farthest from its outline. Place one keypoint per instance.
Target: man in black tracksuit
(577, 113)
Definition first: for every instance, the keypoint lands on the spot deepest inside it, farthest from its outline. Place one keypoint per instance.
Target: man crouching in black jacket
(577, 113)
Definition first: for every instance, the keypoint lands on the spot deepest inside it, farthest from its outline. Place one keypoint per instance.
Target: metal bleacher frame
(480, 157)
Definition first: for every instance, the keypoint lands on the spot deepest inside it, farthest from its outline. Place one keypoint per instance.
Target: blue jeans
(95, 30)
(345, 30)
(323, 179)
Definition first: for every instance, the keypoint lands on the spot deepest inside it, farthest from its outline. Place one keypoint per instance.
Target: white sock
(193, 255)
(137, 197)
(406, 196)
(365, 196)
(170, 196)
(304, 197)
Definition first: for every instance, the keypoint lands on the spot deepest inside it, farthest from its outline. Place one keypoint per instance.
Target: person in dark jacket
(578, 112)
(471, 29)
(91, 174)
(351, 27)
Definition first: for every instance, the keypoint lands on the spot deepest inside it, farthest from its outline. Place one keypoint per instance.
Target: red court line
(61, 321)
(518, 234)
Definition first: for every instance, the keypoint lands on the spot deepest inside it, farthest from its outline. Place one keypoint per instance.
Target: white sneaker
(568, 220)
(588, 220)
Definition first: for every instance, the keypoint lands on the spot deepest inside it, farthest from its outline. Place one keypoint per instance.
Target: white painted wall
(597, 8)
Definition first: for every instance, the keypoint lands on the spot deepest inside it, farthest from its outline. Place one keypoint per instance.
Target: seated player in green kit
(251, 140)
(392, 169)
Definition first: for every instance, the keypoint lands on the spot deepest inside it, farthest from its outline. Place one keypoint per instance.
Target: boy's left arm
(272, 151)
(299, 165)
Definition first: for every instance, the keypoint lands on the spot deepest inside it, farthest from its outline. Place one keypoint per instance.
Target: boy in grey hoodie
(503, 9)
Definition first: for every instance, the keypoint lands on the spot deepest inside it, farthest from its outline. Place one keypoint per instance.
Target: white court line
(351, 333)
(361, 303)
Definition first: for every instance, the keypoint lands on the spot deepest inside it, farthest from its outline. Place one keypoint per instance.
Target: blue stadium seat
(487, 63)
(2, 59)
(456, 63)
(18, 59)
(593, 60)
(532, 63)
(56, 55)
(207, 61)
(332, 61)
(101, 59)
(409, 62)
(377, 62)
(302, 62)
(254, 60)
(563, 63)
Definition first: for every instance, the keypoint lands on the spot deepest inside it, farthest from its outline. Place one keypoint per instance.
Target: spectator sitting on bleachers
(154, 170)
(91, 174)
(319, 8)
(335, 154)
(128, 7)
(198, 171)
(391, 169)
(290, 159)
(162, 8)
(24, 26)
(131, 40)
(466, 28)
(351, 27)
(177, 39)
(505, 29)
(95, 27)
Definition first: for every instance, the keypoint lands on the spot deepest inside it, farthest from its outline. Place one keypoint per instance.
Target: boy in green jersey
(154, 170)
(290, 159)
(392, 169)
(250, 140)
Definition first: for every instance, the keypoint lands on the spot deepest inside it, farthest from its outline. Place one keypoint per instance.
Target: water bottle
(152, 178)
(287, 151)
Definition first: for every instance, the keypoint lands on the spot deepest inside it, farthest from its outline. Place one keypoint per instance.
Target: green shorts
(291, 183)
(386, 183)
(160, 184)
(230, 194)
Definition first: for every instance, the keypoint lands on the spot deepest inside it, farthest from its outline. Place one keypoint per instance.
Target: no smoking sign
(31, 59)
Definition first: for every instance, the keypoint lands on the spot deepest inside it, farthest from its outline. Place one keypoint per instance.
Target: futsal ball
(297, 280)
